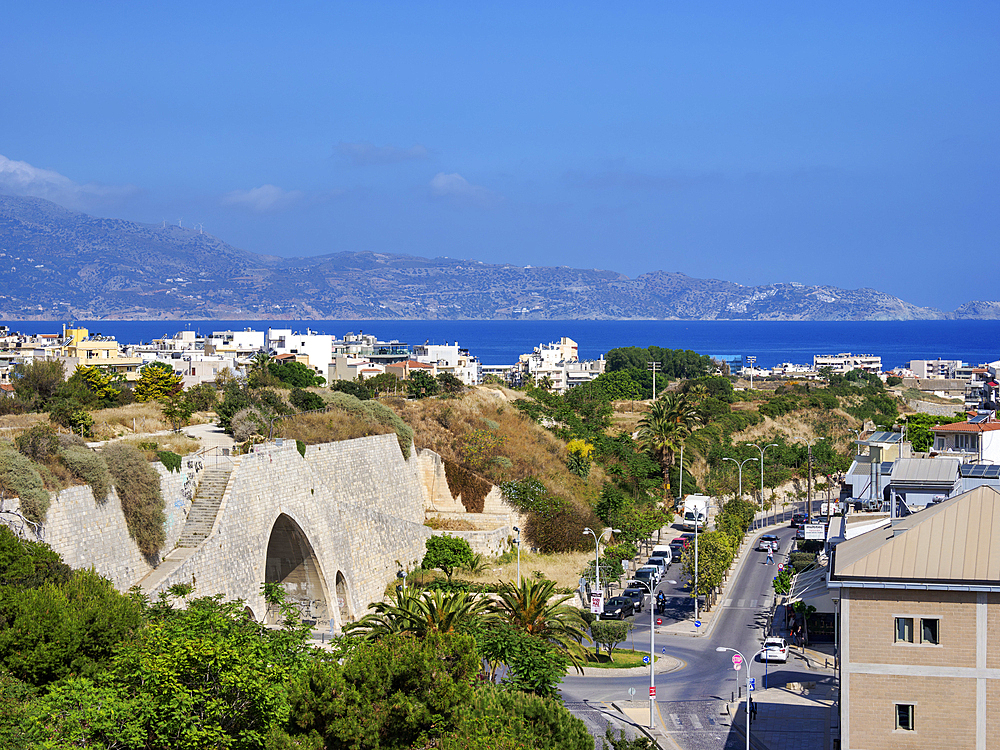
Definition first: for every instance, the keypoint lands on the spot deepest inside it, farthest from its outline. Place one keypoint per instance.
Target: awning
(810, 587)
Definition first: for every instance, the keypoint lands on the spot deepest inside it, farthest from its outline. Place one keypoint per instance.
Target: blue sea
(500, 342)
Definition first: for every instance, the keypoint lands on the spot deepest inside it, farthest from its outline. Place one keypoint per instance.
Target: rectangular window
(904, 716)
(929, 631)
(904, 629)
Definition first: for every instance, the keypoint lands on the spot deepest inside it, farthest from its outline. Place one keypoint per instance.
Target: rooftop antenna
(180, 222)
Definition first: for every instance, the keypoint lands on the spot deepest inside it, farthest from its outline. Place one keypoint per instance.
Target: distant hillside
(60, 264)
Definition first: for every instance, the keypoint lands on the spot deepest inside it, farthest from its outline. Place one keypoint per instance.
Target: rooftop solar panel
(979, 419)
(886, 467)
(992, 472)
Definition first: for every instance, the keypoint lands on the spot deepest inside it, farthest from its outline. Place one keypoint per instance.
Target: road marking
(740, 603)
(767, 603)
(753, 604)
(696, 721)
(676, 720)
(729, 603)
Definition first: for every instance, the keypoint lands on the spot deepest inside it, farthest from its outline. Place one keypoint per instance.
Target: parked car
(618, 608)
(646, 576)
(775, 649)
(663, 562)
(799, 519)
(688, 536)
(677, 547)
(767, 542)
(656, 571)
(637, 594)
(639, 583)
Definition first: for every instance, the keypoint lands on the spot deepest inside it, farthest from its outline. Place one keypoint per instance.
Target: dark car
(688, 536)
(636, 594)
(677, 548)
(618, 608)
(799, 519)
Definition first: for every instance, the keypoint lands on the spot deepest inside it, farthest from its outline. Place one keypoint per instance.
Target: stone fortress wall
(333, 526)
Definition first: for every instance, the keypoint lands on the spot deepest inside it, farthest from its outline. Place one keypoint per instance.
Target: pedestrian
(753, 710)
(770, 555)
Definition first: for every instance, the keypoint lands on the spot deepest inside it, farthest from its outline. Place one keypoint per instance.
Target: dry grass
(12, 425)
(800, 427)
(563, 568)
(450, 524)
(128, 420)
(447, 425)
(176, 442)
(328, 428)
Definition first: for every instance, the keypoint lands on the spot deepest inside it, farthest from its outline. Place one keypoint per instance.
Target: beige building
(919, 605)
(78, 348)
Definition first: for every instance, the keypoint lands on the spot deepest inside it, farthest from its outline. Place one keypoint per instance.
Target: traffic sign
(737, 667)
(631, 692)
(645, 660)
(751, 685)
(659, 620)
(697, 623)
(652, 691)
(781, 568)
(737, 660)
(664, 650)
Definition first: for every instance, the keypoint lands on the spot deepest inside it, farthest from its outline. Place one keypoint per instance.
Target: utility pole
(751, 360)
(654, 366)
(809, 491)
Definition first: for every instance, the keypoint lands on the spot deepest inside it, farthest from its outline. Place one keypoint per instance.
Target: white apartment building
(452, 359)
(312, 349)
(844, 363)
(935, 369)
(238, 344)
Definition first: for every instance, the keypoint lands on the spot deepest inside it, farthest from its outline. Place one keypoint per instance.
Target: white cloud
(456, 187)
(263, 199)
(365, 154)
(21, 178)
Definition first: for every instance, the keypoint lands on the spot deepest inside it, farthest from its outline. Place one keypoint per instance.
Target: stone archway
(292, 562)
(343, 600)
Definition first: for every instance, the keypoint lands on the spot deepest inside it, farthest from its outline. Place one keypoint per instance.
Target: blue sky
(853, 144)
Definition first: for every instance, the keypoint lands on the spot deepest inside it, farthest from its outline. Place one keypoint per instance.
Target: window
(904, 629)
(929, 631)
(904, 716)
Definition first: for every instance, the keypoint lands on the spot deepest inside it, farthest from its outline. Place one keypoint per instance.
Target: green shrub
(203, 397)
(138, 486)
(373, 411)
(301, 448)
(245, 423)
(39, 443)
(20, 478)
(170, 460)
(90, 467)
(28, 565)
(305, 400)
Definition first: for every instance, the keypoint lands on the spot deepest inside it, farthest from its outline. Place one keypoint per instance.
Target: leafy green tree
(526, 662)
(608, 633)
(66, 628)
(306, 400)
(446, 553)
(627, 357)
(295, 374)
(384, 382)
(621, 741)
(27, 565)
(618, 385)
(203, 397)
(669, 422)
(104, 386)
(177, 409)
(37, 382)
(398, 692)
(359, 390)
(157, 382)
(71, 414)
(421, 385)
(716, 551)
(449, 383)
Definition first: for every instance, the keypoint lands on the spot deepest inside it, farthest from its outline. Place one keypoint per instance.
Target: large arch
(292, 562)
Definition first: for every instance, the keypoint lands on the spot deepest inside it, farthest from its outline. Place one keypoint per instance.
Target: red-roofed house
(975, 440)
(6, 390)
(402, 370)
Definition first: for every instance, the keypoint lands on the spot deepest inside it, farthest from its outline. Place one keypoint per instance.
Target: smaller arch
(344, 607)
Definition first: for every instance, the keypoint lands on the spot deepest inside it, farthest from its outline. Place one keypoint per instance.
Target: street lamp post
(518, 543)
(652, 658)
(597, 557)
(745, 661)
(654, 366)
(740, 464)
(752, 360)
(771, 445)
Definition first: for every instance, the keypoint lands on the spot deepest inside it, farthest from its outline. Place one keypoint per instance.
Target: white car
(654, 569)
(775, 649)
(767, 542)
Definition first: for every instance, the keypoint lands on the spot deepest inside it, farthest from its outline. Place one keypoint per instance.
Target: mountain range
(59, 264)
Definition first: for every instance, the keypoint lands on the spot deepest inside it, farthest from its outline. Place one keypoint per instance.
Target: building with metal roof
(919, 635)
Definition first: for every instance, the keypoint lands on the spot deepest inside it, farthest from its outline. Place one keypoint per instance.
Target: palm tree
(670, 421)
(421, 612)
(533, 608)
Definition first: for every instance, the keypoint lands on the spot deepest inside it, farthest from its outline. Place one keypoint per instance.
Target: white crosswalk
(696, 722)
(740, 603)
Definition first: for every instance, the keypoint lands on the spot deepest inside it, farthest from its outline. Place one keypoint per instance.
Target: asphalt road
(692, 699)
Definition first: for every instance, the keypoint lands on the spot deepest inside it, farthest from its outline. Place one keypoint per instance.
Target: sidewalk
(798, 716)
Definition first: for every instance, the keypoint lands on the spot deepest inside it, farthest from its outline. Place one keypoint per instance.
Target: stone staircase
(204, 507)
